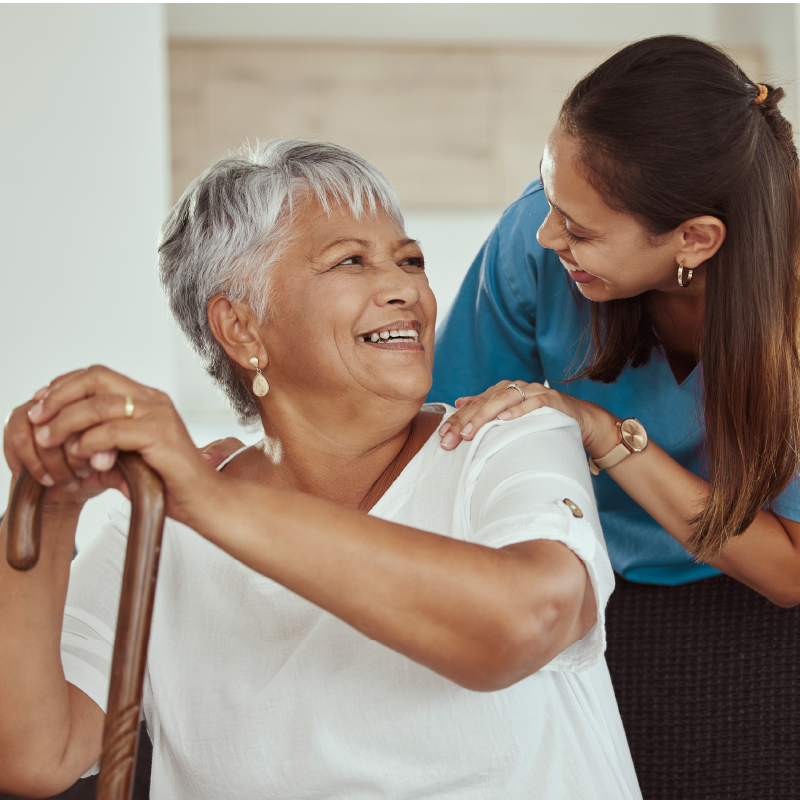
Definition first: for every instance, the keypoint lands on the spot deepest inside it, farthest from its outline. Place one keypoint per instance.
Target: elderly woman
(345, 609)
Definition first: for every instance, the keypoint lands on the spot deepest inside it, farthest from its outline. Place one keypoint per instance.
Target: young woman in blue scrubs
(651, 279)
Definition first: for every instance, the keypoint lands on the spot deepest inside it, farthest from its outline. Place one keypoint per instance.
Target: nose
(548, 234)
(396, 287)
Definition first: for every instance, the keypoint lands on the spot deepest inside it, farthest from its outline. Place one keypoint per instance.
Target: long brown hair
(667, 130)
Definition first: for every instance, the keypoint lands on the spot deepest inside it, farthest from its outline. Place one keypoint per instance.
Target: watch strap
(609, 459)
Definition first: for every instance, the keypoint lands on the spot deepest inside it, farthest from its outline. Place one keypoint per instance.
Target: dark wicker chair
(707, 677)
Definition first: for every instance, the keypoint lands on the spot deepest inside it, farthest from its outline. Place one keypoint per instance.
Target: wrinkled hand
(69, 434)
(216, 452)
(71, 480)
(502, 402)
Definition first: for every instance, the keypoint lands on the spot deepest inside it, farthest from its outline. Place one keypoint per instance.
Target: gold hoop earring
(260, 385)
(681, 268)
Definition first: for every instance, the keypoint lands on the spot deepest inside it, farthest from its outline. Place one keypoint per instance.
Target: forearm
(766, 557)
(476, 615)
(35, 718)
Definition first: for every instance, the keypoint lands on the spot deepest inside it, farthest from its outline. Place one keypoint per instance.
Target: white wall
(84, 160)
(558, 23)
(775, 29)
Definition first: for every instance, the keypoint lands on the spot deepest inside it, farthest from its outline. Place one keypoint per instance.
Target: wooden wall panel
(451, 127)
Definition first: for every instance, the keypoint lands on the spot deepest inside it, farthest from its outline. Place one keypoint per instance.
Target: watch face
(634, 435)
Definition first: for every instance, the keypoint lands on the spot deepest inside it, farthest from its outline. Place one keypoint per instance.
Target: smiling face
(606, 252)
(354, 317)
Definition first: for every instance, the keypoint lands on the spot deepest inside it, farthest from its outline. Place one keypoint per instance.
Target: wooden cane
(121, 735)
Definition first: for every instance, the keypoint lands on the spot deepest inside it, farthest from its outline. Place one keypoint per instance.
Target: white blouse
(253, 692)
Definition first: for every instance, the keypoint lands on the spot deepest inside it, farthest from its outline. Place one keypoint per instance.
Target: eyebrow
(362, 242)
(365, 244)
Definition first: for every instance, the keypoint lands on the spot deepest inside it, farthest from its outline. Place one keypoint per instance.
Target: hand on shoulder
(512, 399)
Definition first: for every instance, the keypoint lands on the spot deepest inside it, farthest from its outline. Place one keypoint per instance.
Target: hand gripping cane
(121, 735)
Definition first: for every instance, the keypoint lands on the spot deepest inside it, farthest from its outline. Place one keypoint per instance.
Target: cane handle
(121, 735)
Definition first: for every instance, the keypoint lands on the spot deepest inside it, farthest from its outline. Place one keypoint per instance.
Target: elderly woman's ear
(236, 328)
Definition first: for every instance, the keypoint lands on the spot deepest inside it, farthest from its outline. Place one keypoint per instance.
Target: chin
(412, 390)
(599, 292)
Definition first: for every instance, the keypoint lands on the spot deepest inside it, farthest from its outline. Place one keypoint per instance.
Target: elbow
(525, 631)
(784, 597)
(782, 590)
(31, 772)
(521, 644)
(30, 786)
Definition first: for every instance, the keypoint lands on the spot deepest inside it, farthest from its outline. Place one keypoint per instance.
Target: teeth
(383, 336)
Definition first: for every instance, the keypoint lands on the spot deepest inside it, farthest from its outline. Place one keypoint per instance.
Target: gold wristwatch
(632, 439)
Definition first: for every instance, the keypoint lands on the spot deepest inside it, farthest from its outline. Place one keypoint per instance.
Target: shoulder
(531, 204)
(523, 218)
(543, 423)
(542, 443)
(513, 247)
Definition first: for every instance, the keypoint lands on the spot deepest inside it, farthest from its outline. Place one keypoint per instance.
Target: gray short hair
(233, 223)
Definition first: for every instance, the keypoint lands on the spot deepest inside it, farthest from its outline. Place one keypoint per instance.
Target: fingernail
(34, 412)
(448, 439)
(72, 486)
(43, 434)
(83, 473)
(102, 462)
(504, 415)
(46, 480)
(466, 430)
(74, 448)
(41, 393)
(445, 427)
(206, 456)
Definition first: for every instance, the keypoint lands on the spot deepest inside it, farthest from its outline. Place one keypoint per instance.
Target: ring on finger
(519, 389)
(128, 406)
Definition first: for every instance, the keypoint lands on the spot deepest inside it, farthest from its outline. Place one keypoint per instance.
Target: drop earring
(260, 385)
(681, 268)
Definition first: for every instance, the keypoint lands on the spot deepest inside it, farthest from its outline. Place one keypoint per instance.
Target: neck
(678, 317)
(333, 453)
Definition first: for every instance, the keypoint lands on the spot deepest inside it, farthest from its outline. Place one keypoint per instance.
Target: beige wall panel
(422, 115)
(533, 85)
(451, 127)
(186, 77)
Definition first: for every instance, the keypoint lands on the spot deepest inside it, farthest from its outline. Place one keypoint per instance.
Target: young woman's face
(606, 253)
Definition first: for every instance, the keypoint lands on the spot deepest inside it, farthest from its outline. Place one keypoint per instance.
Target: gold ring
(128, 406)
(514, 386)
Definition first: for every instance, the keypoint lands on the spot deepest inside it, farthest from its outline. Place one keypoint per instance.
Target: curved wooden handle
(25, 522)
(121, 735)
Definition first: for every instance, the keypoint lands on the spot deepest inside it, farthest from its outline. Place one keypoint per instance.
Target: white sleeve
(520, 476)
(90, 614)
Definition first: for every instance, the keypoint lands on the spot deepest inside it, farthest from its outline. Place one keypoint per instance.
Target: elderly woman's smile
(400, 332)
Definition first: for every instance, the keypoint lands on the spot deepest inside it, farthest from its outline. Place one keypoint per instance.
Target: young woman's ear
(235, 327)
(701, 238)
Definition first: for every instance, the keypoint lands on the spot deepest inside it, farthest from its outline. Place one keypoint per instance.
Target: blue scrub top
(517, 317)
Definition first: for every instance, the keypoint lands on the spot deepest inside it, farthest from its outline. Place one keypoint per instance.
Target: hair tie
(763, 91)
